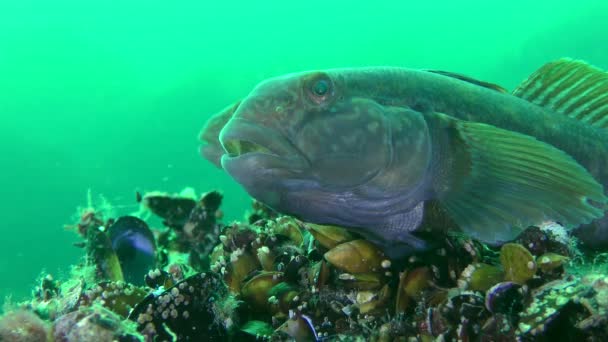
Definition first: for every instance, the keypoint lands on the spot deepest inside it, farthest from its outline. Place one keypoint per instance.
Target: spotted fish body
(369, 148)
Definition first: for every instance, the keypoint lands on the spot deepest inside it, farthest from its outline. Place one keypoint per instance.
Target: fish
(370, 149)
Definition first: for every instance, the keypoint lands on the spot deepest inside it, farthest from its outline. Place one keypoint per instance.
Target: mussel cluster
(276, 278)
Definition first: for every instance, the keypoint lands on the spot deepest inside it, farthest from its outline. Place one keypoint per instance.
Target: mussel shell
(518, 263)
(157, 278)
(293, 267)
(102, 254)
(357, 256)
(212, 200)
(505, 298)
(465, 305)
(134, 245)
(174, 209)
(256, 290)
(299, 328)
(186, 310)
(119, 297)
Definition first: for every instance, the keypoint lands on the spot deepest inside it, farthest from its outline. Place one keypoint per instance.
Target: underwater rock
(555, 308)
(134, 245)
(289, 280)
(197, 308)
(93, 325)
(547, 238)
(23, 326)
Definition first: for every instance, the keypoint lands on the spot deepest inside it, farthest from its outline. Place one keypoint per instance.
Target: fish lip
(278, 151)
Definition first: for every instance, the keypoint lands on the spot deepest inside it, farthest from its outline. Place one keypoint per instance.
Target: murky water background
(110, 97)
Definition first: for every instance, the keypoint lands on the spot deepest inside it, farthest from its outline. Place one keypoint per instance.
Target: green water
(107, 96)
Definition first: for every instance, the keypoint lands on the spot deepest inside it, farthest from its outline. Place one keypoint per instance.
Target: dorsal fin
(570, 87)
(470, 80)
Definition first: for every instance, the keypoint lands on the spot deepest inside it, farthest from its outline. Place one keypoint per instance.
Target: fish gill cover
(110, 97)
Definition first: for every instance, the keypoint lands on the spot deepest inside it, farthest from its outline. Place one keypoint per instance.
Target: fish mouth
(237, 147)
(244, 141)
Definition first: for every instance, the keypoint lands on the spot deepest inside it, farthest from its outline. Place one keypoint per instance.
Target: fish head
(312, 144)
(212, 149)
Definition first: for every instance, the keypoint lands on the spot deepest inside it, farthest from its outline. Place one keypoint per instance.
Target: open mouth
(237, 147)
(253, 147)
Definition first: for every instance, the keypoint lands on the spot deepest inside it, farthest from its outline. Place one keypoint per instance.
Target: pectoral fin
(502, 182)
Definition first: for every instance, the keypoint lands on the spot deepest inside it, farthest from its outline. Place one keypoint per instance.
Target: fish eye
(320, 88)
